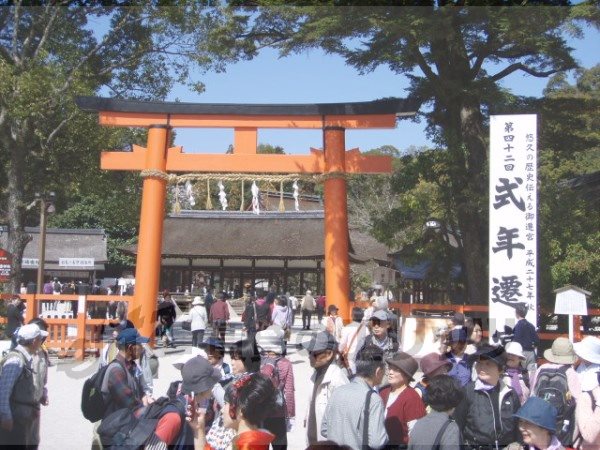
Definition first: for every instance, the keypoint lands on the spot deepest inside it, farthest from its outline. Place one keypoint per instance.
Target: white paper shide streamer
(296, 194)
(255, 200)
(222, 196)
(189, 192)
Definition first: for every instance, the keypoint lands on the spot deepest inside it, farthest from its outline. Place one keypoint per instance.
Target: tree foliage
(455, 58)
(49, 54)
(570, 212)
(569, 149)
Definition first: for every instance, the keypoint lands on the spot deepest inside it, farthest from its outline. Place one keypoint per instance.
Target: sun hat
(539, 412)
(30, 331)
(588, 349)
(131, 336)
(198, 376)
(197, 301)
(380, 315)
(496, 354)
(561, 352)
(432, 362)
(514, 348)
(308, 292)
(320, 342)
(405, 363)
(270, 340)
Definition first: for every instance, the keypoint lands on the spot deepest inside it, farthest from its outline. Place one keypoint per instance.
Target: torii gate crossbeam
(157, 159)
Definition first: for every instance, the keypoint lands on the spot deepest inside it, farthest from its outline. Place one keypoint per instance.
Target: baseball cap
(30, 331)
(496, 354)
(198, 376)
(320, 342)
(131, 336)
(380, 315)
(213, 342)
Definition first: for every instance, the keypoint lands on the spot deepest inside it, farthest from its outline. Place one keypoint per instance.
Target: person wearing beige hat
(551, 375)
(403, 405)
(199, 320)
(560, 356)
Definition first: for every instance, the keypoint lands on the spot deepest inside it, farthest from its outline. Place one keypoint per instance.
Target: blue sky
(314, 77)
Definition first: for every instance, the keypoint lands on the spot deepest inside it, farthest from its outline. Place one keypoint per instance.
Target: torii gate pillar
(147, 269)
(337, 266)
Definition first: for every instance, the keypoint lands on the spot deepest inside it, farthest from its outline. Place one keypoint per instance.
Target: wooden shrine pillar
(147, 271)
(337, 266)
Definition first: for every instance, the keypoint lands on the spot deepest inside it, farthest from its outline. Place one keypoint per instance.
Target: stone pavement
(64, 427)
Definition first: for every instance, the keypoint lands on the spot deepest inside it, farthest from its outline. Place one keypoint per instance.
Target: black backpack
(122, 430)
(552, 386)
(93, 405)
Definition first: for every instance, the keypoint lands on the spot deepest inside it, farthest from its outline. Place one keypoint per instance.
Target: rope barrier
(177, 179)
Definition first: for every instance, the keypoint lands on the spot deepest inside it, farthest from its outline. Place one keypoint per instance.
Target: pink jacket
(286, 377)
(588, 419)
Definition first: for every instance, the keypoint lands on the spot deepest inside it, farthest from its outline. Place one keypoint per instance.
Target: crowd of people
(363, 392)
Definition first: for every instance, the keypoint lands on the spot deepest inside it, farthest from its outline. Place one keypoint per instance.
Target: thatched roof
(365, 247)
(269, 235)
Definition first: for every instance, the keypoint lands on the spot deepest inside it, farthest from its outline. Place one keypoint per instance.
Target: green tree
(455, 58)
(49, 54)
(569, 209)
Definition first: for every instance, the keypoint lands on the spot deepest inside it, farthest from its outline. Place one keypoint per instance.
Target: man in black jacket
(485, 416)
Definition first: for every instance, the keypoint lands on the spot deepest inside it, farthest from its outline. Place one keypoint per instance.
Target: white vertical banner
(513, 218)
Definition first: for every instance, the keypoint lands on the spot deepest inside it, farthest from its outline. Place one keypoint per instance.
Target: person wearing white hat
(279, 369)
(587, 412)
(17, 389)
(588, 351)
(199, 320)
(515, 375)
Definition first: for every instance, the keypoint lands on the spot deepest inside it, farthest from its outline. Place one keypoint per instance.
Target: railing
(75, 321)
(407, 309)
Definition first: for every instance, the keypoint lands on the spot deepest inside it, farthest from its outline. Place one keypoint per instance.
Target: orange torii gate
(157, 159)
